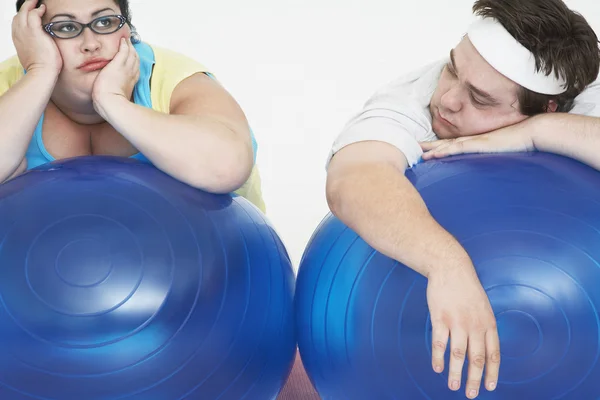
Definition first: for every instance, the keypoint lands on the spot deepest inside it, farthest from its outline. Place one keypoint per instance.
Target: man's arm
(368, 191)
(570, 135)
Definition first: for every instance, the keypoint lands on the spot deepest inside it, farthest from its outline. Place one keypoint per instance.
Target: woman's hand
(118, 78)
(35, 48)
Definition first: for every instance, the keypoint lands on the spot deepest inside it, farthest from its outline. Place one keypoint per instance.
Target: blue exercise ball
(120, 282)
(531, 224)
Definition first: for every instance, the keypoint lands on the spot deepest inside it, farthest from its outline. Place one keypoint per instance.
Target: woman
(82, 83)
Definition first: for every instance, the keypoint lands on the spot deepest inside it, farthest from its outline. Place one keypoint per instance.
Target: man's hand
(460, 308)
(514, 138)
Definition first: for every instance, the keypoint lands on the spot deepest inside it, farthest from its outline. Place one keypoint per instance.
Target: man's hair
(561, 41)
(123, 5)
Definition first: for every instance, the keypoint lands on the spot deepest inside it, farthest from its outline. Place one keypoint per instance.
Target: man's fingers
(458, 348)
(438, 152)
(439, 341)
(476, 351)
(458, 146)
(426, 146)
(492, 362)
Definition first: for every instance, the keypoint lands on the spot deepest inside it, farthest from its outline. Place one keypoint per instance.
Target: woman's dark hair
(123, 5)
(561, 41)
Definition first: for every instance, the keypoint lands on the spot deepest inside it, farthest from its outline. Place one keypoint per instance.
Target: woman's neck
(79, 109)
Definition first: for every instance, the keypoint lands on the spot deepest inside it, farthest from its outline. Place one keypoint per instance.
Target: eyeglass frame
(48, 27)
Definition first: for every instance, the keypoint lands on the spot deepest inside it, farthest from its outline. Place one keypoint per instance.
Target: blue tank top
(36, 152)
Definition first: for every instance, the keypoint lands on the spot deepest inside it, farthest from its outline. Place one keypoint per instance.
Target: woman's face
(84, 56)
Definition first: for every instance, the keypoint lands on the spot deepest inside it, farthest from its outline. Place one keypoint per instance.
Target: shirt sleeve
(588, 101)
(10, 73)
(397, 114)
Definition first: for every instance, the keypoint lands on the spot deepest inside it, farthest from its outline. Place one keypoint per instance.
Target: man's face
(472, 97)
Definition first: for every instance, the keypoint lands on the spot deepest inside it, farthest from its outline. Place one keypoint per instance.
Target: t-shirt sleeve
(10, 73)
(170, 69)
(397, 114)
(588, 101)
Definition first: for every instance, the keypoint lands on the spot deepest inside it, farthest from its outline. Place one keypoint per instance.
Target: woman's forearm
(201, 151)
(21, 108)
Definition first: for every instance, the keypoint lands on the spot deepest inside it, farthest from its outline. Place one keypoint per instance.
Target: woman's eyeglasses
(104, 25)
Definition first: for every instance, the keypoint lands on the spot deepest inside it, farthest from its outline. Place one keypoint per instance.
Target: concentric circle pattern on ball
(119, 282)
(531, 224)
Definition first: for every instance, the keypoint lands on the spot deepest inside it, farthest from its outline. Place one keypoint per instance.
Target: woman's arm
(20, 110)
(204, 142)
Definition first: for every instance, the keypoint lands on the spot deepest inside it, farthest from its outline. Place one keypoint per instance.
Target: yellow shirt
(170, 68)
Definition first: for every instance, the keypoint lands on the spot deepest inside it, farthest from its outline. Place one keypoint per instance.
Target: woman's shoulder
(170, 69)
(169, 59)
(10, 73)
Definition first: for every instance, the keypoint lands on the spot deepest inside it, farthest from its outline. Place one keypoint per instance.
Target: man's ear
(552, 106)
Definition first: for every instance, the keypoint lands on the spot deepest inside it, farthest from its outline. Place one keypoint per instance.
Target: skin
(366, 183)
(75, 88)
(203, 141)
(569, 135)
(467, 112)
(490, 131)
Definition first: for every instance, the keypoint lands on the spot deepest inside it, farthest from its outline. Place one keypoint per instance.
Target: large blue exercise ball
(531, 224)
(119, 282)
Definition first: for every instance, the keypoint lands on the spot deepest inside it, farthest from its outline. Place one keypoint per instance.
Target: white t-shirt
(398, 113)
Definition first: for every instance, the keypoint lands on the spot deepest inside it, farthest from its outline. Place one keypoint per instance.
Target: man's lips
(442, 119)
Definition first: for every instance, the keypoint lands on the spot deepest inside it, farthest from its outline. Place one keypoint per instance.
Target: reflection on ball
(117, 281)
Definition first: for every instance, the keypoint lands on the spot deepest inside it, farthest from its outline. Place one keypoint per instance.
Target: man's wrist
(541, 129)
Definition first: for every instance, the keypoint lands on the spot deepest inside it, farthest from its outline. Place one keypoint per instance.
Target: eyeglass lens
(102, 25)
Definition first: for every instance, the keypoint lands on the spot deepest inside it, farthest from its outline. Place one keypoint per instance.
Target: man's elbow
(338, 191)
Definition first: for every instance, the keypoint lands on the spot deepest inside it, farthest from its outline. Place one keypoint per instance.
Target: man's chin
(442, 131)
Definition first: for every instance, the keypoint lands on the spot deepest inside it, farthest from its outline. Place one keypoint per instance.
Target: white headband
(511, 58)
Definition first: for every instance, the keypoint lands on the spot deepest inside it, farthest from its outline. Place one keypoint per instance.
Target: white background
(300, 69)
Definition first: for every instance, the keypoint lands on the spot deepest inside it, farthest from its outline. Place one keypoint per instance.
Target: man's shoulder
(417, 85)
(588, 101)
(10, 72)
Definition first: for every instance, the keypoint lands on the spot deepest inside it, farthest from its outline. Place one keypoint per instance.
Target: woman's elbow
(228, 173)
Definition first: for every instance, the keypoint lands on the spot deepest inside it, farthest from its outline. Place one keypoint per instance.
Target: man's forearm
(381, 205)
(570, 135)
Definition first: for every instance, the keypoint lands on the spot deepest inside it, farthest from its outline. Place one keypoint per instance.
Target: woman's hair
(561, 41)
(123, 5)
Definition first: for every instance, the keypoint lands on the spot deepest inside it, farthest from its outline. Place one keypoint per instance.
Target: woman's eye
(104, 23)
(67, 28)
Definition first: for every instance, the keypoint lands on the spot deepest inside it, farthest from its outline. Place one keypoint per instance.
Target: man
(519, 80)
